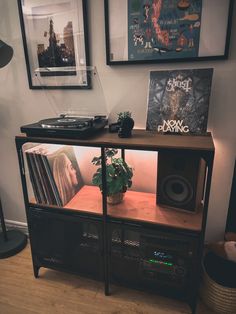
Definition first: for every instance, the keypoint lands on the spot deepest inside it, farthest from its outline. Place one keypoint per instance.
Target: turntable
(66, 126)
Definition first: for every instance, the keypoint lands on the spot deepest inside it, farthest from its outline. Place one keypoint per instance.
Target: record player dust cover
(178, 101)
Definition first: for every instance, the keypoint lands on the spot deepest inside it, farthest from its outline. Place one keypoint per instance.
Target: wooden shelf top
(140, 139)
(88, 199)
(136, 206)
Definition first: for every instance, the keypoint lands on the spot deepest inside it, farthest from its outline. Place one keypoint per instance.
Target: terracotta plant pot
(115, 198)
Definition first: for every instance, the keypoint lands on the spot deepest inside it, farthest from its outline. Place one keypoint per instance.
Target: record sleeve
(178, 101)
(54, 173)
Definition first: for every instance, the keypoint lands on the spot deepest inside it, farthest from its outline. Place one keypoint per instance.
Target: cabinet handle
(132, 224)
(115, 221)
(37, 208)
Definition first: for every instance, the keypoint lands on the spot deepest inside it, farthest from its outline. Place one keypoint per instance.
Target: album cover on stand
(178, 101)
(71, 116)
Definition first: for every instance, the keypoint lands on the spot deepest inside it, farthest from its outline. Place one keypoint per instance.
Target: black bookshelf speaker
(180, 180)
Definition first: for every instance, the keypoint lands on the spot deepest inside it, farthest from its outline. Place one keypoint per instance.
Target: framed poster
(178, 101)
(55, 39)
(156, 31)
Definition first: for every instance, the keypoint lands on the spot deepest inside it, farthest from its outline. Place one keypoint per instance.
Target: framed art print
(55, 39)
(151, 31)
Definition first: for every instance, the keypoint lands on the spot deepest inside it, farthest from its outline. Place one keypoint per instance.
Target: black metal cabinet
(144, 246)
(66, 242)
(148, 258)
(124, 252)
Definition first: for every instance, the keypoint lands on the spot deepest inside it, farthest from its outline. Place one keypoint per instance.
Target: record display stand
(11, 241)
(90, 102)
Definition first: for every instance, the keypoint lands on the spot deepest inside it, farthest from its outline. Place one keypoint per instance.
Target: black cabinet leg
(106, 278)
(36, 271)
(193, 305)
(107, 293)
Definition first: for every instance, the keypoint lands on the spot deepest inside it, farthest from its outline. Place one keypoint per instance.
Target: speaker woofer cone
(176, 190)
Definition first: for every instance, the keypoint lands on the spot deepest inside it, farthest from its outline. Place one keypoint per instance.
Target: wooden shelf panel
(136, 206)
(142, 207)
(88, 199)
(140, 139)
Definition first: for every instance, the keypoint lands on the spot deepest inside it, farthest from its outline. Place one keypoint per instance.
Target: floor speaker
(180, 180)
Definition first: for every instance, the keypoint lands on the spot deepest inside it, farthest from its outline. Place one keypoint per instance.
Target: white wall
(125, 88)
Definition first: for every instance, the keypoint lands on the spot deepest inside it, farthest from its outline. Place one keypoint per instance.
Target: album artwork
(162, 29)
(53, 28)
(54, 173)
(178, 101)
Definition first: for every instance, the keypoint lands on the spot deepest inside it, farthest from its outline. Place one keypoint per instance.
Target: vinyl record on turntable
(66, 127)
(65, 122)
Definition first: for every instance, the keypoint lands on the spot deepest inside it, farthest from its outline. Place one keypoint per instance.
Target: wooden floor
(56, 292)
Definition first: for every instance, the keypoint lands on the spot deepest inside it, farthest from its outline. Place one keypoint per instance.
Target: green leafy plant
(123, 115)
(118, 173)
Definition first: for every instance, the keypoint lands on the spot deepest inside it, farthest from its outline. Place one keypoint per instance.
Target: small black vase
(126, 127)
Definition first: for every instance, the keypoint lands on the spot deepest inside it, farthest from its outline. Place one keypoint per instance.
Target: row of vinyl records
(54, 173)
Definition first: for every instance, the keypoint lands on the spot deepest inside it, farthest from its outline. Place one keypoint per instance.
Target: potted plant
(126, 124)
(118, 175)
(123, 115)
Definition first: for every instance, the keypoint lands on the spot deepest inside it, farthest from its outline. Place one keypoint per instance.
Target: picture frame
(158, 31)
(55, 40)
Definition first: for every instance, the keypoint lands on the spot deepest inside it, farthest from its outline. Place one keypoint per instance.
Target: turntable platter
(65, 122)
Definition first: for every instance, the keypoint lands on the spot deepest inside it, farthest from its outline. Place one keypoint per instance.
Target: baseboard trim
(22, 226)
